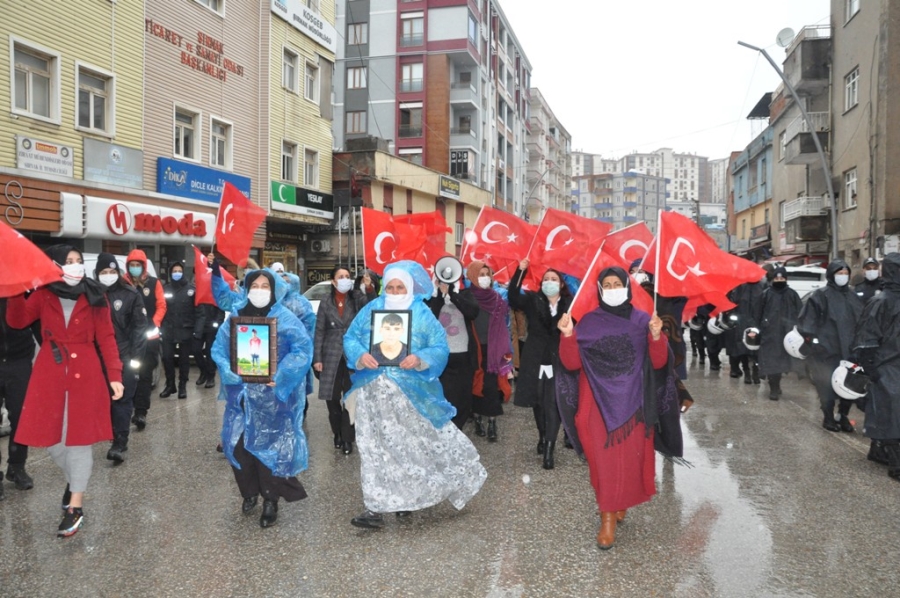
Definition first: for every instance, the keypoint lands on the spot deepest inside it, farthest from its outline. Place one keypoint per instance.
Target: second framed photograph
(391, 335)
(254, 343)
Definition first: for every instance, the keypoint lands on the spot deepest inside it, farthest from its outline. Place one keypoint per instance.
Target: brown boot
(606, 537)
(620, 515)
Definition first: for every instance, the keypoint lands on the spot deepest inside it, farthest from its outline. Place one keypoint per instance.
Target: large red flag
(23, 266)
(436, 230)
(203, 278)
(691, 263)
(628, 244)
(565, 242)
(498, 234)
(237, 220)
(502, 267)
(587, 298)
(386, 241)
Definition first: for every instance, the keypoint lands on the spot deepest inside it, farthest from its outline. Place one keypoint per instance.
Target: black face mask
(779, 284)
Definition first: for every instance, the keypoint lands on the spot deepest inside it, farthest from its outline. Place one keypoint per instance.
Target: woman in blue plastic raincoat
(411, 454)
(262, 435)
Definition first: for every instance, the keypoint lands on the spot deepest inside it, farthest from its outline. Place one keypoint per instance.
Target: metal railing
(805, 206)
(410, 85)
(819, 120)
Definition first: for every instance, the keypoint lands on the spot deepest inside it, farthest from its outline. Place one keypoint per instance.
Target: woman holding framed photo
(262, 434)
(411, 455)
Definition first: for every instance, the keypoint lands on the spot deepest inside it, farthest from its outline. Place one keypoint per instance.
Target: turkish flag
(565, 242)
(436, 230)
(23, 266)
(692, 265)
(203, 278)
(237, 220)
(587, 298)
(498, 234)
(628, 244)
(386, 241)
(502, 267)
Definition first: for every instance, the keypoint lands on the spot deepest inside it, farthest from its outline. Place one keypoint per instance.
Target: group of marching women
(610, 379)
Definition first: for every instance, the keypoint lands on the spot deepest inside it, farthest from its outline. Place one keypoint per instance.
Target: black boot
(168, 391)
(548, 454)
(845, 424)
(249, 504)
(492, 429)
(201, 380)
(2, 496)
(182, 389)
(140, 421)
(754, 373)
(479, 426)
(210, 381)
(829, 424)
(338, 443)
(774, 387)
(877, 452)
(893, 457)
(747, 377)
(542, 442)
(15, 473)
(269, 513)
(119, 446)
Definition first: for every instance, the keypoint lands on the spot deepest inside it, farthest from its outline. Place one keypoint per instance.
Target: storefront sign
(307, 21)
(449, 188)
(204, 54)
(44, 156)
(298, 200)
(14, 213)
(317, 275)
(101, 218)
(114, 164)
(196, 182)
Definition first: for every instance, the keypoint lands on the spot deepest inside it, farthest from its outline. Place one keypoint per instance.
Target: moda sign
(121, 221)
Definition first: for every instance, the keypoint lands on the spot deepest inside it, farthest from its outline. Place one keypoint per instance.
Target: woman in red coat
(67, 404)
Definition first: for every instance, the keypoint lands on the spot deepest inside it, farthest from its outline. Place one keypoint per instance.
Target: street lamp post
(815, 135)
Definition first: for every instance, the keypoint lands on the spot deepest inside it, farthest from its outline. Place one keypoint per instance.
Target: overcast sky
(637, 75)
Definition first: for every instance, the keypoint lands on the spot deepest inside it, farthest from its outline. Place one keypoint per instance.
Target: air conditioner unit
(320, 246)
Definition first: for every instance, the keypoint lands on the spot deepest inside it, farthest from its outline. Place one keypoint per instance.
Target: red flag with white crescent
(587, 298)
(386, 241)
(565, 242)
(237, 220)
(203, 279)
(498, 234)
(628, 244)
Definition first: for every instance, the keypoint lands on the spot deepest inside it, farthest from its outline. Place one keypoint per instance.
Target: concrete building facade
(622, 199)
(549, 171)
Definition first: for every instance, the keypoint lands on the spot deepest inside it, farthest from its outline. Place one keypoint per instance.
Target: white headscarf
(407, 280)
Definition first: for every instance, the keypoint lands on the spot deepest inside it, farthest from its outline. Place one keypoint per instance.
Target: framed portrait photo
(254, 343)
(391, 335)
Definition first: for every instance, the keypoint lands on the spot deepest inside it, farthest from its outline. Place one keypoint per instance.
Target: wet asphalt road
(774, 506)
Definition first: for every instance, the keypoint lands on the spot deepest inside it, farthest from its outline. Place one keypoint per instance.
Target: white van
(90, 264)
(805, 279)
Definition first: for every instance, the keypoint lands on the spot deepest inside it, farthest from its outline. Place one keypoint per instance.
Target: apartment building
(751, 172)
(622, 199)
(549, 170)
(445, 83)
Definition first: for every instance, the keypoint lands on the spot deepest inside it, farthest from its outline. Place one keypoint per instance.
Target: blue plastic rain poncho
(429, 343)
(302, 308)
(270, 418)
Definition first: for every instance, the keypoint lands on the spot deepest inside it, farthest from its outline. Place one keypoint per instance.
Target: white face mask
(344, 285)
(73, 273)
(259, 297)
(641, 277)
(108, 280)
(841, 280)
(614, 297)
(396, 301)
(871, 274)
(484, 282)
(550, 288)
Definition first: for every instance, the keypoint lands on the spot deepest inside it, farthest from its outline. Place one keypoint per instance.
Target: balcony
(805, 206)
(604, 219)
(630, 190)
(411, 85)
(820, 122)
(801, 148)
(808, 60)
(464, 93)
(411, 41)
(407, 131)
(629, 204)
(603, 206)
(629, 218)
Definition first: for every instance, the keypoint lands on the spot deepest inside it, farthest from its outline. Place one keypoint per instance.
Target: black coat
(212, 318)
(542, 344)
(328, 341)
(468, 306)
(878, 335)
(746, 297)
(183, 319)
(129, 318)
(776, 314)
(830, 316)
(868, 289)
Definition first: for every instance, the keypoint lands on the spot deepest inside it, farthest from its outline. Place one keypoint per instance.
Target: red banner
(237, 220)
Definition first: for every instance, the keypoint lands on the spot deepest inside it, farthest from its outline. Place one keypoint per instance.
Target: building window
(412, 32)
(412, 77)
(313, 4)
(356, 122)
(357, 34)
(782, 145)
(35, 82)
(220, 143)
(459, 230)
(95, 94)
(410, 120)
(214, 5)
(412, 154)
(356, 77)
(850, 189)
(187, 134)
(311, 89)
(851, 89)
(311, 168)
(851, 7)
(288, 161)
(289, 71)
(473, 30)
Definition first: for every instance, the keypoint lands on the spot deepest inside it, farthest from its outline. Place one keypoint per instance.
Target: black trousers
(698, 343)
(203, 354)
(145, 379)
(821, 372)
(121, 410)
(491, 401)
(713, 349)
(184, 360)
(338, 417)
(457, 383)
(546, 412)
(254, 479)
(14, 377)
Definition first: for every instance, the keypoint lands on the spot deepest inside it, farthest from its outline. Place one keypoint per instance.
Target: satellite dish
(785, 37)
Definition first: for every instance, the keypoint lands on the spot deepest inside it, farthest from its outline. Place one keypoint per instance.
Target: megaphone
(448, 269)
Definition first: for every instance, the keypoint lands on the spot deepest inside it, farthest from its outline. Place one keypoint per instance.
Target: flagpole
(656, 267)
(591, 267)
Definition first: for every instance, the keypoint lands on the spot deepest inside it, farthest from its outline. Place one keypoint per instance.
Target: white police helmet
(794, 343)
(849, 380)
(695, 323)
(713, 326)
(751, 342)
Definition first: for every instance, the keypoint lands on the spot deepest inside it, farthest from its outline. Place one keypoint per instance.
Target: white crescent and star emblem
(227, 226)
(695, 269)
(552, 236)
(628, 245)
(378, 241)
(487, 229)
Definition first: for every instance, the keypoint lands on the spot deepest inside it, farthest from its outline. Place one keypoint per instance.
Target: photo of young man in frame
(391, 333)
(253, 342)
